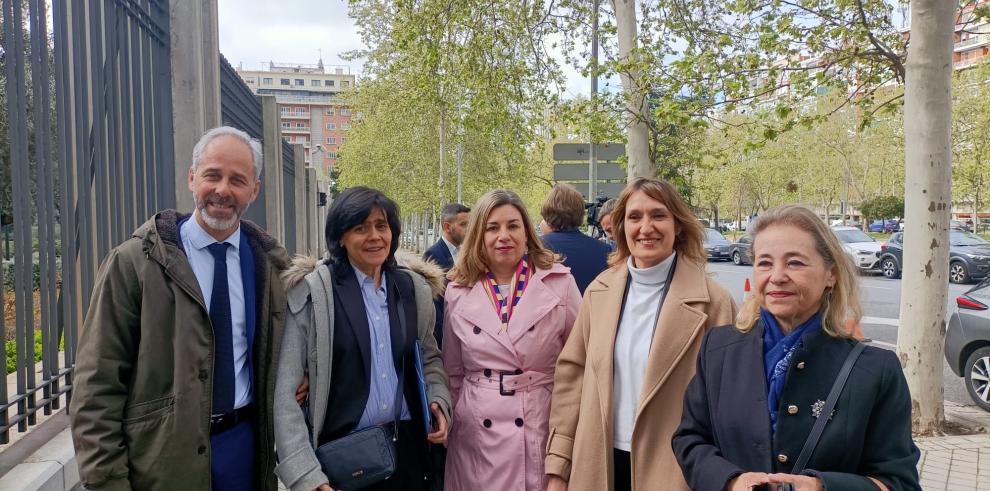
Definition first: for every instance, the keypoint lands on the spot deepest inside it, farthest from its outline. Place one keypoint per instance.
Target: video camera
(596, 227)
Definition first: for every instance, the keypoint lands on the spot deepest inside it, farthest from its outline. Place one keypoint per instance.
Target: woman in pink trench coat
(501, 374)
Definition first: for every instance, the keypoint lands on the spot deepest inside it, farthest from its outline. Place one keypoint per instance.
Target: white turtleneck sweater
(632, 344)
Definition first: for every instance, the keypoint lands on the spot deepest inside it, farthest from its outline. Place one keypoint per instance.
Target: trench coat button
(487, 423)
(477, 330)
(792, 409)
(800, 365)
(201, 449)
(519, 422)
(782, 458)
(203, 374)
(519, 371)
(488, 372)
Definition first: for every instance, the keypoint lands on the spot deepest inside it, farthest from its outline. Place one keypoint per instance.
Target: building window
(332, 155)
(284, 110)
(328, 83)
(331, 140)
(300, 82)
(266, 81)
(300, 110)
(300, 125)
(345, 111)
(285, 125)
(314, 83)
(344, 83)
(331, 126)
(345, 126)
(330, 112)
(284, 81)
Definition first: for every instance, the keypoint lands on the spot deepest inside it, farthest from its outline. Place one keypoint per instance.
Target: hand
(800, 483)
(440, 436)
(556, 483)
(303, 390)
(747, 481)
(324, 487)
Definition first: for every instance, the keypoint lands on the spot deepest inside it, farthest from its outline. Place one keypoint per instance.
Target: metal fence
(289, 196)
(419, 231)
(241, 108)
(109, 123)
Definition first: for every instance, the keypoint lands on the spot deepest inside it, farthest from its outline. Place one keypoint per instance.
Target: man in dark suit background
(454, 219)
(563, 213)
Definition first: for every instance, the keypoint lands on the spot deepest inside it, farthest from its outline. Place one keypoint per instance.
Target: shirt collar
(654, 275)
(365, 279)
(200, 239)
(450, 246)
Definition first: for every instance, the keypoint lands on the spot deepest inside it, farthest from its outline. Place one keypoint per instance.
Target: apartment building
(312, 111)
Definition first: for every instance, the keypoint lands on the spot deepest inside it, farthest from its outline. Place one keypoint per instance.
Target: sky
(254, 32)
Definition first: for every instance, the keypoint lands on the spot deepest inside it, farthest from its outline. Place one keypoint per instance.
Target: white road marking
(884, 345)
(886, 321)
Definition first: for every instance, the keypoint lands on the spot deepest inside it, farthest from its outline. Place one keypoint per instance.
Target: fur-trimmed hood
(429, 270)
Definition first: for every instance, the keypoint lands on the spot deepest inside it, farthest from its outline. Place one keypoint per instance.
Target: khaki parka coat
(143, 381)
(582, 414)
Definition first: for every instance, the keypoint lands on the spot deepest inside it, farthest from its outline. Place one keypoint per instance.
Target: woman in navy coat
(761, 384)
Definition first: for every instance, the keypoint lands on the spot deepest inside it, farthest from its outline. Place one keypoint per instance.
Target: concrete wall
(195, 83)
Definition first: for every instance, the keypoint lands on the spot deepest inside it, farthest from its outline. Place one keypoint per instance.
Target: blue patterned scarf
(777, 351)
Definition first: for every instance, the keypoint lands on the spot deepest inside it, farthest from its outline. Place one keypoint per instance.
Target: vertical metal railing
(109, 120)
(289, 197)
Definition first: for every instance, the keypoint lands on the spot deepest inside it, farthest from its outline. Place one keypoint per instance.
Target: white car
(861, 248)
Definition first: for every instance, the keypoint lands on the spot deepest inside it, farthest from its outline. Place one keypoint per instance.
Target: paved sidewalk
(957, 463)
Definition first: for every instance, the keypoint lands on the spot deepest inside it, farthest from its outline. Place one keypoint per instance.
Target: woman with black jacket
(761, 384)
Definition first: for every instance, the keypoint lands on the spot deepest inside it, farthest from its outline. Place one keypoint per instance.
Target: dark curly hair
(351, 209)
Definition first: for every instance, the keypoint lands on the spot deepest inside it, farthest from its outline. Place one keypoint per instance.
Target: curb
(51, 468)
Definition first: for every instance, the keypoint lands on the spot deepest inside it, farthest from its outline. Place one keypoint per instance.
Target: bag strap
(826, 414)
(400, 372)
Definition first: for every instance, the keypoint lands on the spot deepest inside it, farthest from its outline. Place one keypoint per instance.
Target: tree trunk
(442, 180)
(928, 193)
(638, 133)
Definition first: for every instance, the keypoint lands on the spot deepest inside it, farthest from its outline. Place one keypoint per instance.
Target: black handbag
(368, 456)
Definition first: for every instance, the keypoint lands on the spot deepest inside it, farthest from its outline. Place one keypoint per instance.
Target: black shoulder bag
(823, 417)
(368, 456)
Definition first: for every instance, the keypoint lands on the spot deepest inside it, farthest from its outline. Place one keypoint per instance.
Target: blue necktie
(223, 337)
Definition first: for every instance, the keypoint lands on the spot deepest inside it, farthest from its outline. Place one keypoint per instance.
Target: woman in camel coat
(620, 379)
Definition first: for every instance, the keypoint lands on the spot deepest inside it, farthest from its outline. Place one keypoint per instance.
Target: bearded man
(175, 367)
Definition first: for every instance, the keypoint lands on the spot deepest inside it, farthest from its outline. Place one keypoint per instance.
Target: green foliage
(444, 76)
(882, 207)
(971, 137)
(10, 347)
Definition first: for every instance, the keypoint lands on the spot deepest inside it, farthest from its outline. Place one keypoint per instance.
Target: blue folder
(424, 402)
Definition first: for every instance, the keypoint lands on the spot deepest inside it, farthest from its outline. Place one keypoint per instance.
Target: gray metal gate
(289, 196)
(240, 108)
(113, 168)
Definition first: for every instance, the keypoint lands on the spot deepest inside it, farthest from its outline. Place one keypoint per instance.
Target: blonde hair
(690, 234)
(840, 303)
(471, 263)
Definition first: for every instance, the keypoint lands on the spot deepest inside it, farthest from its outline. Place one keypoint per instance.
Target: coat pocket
(148, 411)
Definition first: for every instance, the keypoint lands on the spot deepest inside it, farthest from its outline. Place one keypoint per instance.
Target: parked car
(884, 226)
(742, 251)
(717, 246)
(966, 225)
(969, 256)
(967, 342)
(861, 248)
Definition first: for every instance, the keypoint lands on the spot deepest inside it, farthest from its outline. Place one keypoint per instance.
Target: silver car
(967, 342)
(861, 248)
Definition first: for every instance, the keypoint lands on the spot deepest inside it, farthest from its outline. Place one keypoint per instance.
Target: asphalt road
(881, 304)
